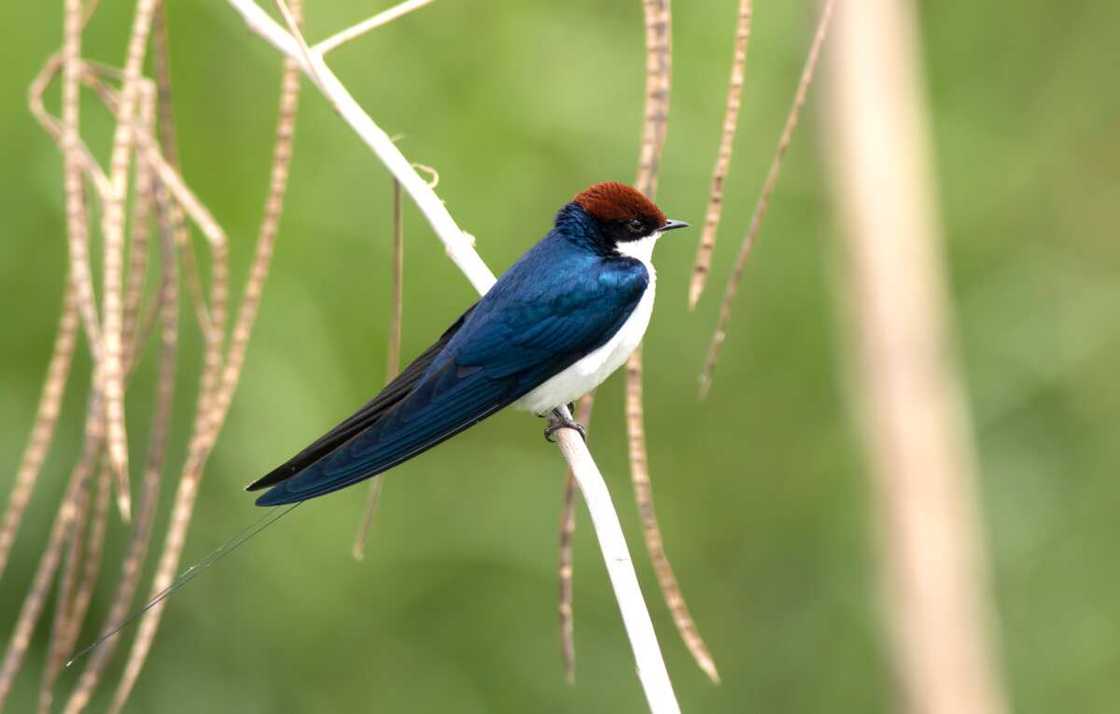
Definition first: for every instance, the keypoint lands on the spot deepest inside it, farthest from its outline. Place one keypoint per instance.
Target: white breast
(593, 369)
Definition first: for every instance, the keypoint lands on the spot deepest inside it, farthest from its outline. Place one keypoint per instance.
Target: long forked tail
(370, 413)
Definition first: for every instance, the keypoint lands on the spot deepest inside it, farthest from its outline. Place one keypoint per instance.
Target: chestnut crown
(623, 212)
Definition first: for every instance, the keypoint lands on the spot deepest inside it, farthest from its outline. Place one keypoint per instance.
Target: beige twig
(658, 82)
(64, 523)
(207, 414)
(54, 128)
(67, 585)
(921, 458)
(355, 31)
(77, 223)
(655, 545)
(161, 61)
(212, 410)
(140, 538)
(659, 58)
(393, 360)
(703, 262)
(91, 565)
(192, 274)
(46, 418)
(170, 151)
(132, 334)
(185, 200)
(567, 533)
(763, 203)
(111, 364)
(396, 319)
(73, 596)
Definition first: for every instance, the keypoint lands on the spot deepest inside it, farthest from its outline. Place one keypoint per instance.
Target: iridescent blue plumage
(563, 299)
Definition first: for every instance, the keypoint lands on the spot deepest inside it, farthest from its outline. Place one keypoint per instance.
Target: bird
(553, 327)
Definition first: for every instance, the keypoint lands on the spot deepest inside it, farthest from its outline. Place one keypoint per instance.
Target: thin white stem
(643, 640)
(459, 244)
(649, 662)
(355, 31)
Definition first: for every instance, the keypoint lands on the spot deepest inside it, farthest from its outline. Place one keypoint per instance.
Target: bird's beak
(672, 225)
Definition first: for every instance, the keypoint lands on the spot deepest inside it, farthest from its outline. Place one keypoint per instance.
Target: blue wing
(530, 326)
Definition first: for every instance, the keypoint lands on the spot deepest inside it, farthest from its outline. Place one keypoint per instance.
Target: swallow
(560, 321)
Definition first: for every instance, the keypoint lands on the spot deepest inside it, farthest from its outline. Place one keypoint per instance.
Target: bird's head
(622, 220)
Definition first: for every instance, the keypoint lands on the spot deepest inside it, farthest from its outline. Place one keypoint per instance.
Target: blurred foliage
(760, 489)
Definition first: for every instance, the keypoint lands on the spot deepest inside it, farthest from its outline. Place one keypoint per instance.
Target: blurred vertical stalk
(933, 570)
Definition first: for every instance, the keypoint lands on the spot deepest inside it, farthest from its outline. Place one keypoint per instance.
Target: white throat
(641, 249)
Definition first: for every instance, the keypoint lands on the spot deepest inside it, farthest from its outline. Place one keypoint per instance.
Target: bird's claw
(557, 422)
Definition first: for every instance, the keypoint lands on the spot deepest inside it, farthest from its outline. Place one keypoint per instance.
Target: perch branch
(459, 244)
(643, 640)
(764, 198)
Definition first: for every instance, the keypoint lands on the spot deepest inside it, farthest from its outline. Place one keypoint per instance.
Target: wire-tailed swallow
(553, 327)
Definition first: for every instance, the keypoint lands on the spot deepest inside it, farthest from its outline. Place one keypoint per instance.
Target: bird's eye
(635, 226)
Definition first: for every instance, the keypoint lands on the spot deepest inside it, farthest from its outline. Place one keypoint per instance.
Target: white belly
(590, 371)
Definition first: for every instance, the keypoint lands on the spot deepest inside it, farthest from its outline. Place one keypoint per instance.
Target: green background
(761, 489)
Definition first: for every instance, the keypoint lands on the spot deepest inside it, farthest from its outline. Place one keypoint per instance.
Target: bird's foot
(558, 421)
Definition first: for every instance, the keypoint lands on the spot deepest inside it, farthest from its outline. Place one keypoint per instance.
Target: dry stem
(64, 523)
(658, 81)
(659, 58)
(566, 567)
(219, 382)
(91, 565)
(703, 262)
(142, 204)
(46, 418)
(67, 585)
(655, 545)
(393, 360)
(140, 538)
(355, 31)
(764, 198)
(77, 223)
(111, 364)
